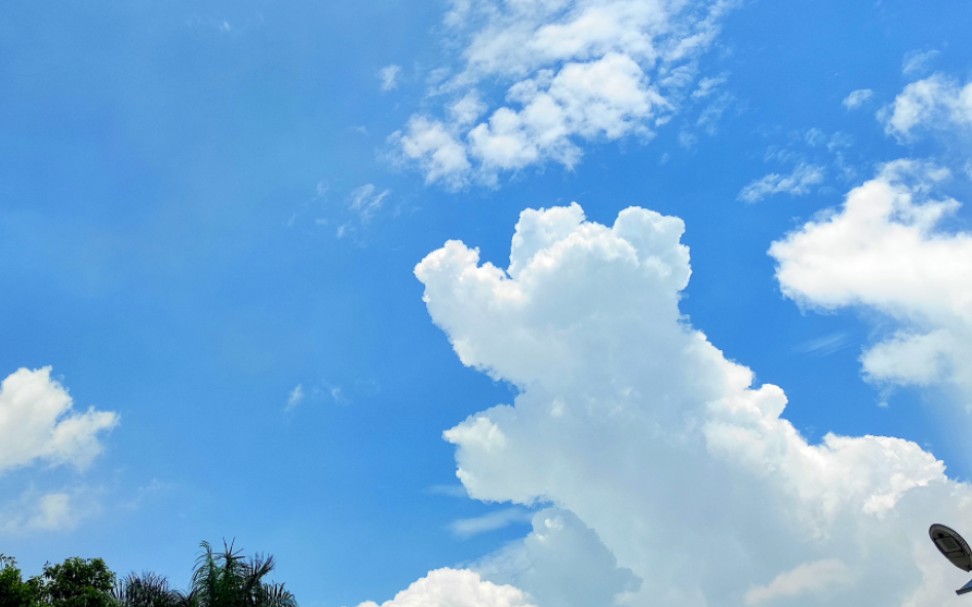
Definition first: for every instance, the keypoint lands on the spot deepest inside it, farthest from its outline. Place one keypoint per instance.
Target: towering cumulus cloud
(567, 71)
(667, 477)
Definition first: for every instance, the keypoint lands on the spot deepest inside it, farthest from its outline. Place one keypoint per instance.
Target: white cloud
(388, 76)
(797, 183)
(884, 250)
(937, 103)
(455, 588)
(437, 149)
(36, 512)
(574, 71)
(560, 550)
(857, 98)
(823, 346)
(366, 201)
(491, 521)
(38, 423)
(917, 61)
(295, 398)
(630, 423)
(807, 577)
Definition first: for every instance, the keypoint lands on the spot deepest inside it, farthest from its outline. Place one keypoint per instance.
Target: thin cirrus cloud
(571, 72)
(884, 249)
(669, 471)
(491, 521)
(364, 204)
(797, 183)
(918, 61)
(295, 398)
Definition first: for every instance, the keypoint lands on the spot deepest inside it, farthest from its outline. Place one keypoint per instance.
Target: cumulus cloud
(797, 183)
(573, 71)
(674, 474)
(804, 578)
(455, 588)
(884, 250)
(857, 98)
(547, 563)
(937, 103)
(39, 424)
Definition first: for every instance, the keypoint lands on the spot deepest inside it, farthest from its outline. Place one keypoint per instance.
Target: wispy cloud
(796, 183)
(857, 98)
(455, 490)
(47, 512)
(388, 77)
(492, 521)
(822, 346)
(916, 62)
(295, 398)
(364, 203)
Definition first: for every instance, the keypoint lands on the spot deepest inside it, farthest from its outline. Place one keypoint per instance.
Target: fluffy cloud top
(669, 469)
(38, 423)
(455, 588)
(572, 70)
(936, 103)
(883, 249)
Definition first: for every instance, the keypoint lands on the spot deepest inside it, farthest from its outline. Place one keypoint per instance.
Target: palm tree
(228, 580)
(148, 590)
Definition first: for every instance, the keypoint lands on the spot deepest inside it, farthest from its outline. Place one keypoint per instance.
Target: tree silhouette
(148, 590)
(227, 579)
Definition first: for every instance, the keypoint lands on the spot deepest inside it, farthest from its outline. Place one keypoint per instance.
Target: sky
(491, 303)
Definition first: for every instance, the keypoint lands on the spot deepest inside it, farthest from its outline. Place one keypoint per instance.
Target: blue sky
(222, 233)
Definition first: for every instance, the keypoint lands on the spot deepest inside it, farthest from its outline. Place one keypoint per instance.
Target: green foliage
(148, 590)
(77, 582)
(227, 579)
(14, 591)
(220, 579)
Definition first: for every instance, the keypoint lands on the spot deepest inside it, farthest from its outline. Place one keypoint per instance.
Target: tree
(228, 580)
(148, 590)
(76, 582)
(14, 591)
